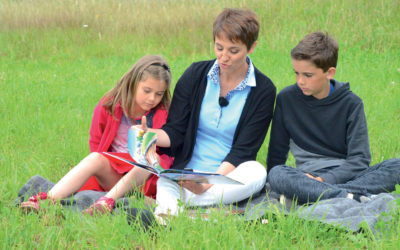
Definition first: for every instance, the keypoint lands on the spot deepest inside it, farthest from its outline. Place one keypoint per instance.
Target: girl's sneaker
(104, 205)
(33, 204)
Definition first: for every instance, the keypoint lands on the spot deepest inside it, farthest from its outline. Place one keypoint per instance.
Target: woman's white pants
(251, 173)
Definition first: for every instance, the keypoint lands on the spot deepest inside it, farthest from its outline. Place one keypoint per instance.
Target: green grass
(53, 70)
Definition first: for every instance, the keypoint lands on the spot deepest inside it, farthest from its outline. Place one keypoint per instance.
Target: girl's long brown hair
(124, 91)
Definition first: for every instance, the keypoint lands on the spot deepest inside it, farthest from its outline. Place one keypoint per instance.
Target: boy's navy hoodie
(327, 136)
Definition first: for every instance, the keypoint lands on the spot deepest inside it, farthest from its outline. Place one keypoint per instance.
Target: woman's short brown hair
(237, 25)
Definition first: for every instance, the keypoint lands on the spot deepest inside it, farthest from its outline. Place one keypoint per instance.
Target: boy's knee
(277, 170)
(391, 164)
(395, 162)
(275, 174)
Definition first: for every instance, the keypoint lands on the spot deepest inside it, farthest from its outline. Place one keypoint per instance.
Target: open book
(141, 147)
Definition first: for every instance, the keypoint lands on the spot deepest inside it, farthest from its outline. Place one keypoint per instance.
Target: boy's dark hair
(237, 25)
(319, 48)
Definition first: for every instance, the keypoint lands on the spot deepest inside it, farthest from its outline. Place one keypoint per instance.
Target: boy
(323, 124)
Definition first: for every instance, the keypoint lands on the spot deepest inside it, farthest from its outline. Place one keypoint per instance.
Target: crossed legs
(252, 174)
(292, 182)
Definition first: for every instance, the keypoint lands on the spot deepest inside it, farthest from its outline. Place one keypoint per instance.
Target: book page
(142, 147)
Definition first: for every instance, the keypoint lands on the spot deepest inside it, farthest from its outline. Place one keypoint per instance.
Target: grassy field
(57, 58)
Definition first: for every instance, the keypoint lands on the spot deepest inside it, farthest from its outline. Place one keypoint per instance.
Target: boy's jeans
(293, 183)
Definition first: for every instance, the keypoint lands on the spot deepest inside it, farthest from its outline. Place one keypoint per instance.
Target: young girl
(142, 91)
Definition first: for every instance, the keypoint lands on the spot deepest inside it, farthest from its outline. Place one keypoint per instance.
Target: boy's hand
(194, 187)
(315, 178)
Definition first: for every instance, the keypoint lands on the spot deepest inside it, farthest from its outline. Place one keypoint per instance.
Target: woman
(219, 116)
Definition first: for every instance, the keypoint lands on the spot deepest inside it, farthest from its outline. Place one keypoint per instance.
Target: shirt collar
(249, 80)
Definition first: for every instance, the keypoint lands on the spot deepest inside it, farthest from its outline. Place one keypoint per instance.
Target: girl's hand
(162, 137)
(194, 187)
(142, 126)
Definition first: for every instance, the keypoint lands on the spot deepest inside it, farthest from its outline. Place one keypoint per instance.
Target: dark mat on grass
(82, 200)
(342, 212)
(345, 213)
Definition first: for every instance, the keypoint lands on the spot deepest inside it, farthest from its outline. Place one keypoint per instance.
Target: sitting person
(219, 116)
(323, 124)
(142, 91)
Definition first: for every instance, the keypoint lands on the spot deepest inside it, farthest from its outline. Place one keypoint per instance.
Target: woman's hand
(199, 188)
(194, 187)
(225, 168)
